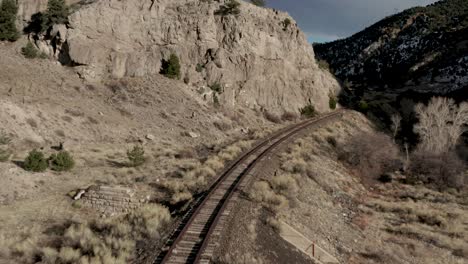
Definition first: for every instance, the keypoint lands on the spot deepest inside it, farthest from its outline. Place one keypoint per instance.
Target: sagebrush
(61, 161)
(136, 156)
(35, 162)
(108, 240)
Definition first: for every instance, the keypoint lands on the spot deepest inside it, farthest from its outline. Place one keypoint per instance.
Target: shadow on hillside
(19, 163)
(117, 164)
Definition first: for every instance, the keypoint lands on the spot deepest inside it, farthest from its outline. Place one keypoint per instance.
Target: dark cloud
(325, 20)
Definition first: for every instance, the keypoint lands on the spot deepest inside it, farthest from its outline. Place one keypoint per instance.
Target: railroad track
(197, 236)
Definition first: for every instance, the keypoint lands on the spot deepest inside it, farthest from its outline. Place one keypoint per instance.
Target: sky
(327, 20)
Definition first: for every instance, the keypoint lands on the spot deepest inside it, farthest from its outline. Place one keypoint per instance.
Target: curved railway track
(197, 235)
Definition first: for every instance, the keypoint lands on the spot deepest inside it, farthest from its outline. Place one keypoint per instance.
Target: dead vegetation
(194, 175)
(110, 240)
(272, 117)
(444, 170)
(263, 192)
(289, 116)
(371, 155)
(432, 219)
(5, 153)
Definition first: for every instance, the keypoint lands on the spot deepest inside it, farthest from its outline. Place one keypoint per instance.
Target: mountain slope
(423, 48)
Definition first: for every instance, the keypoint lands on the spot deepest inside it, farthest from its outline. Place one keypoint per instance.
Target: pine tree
(136, 156)
(231, 7)
(8, 30)
(171, 67)
(57, 13)
(258, 2)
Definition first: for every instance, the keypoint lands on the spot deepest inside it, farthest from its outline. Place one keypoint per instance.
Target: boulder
(79, 195)
(150, 137)
(193, 134)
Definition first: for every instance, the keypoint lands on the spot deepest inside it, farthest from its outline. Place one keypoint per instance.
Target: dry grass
(4, 138)
(370, 154)
(251, 228)
(295, 165)
(379, 253)
(279, 191)
(431, 218)
(24, 249)
(361, 221)
(185, 153)
(444, 170)
(284, 184)
(416, 232)
(194, 175)
(289, 116)
(98, 241)
(147, 220)
(262, 192)
(236, 116)
(4, 155)
(272, 117)
(276, 193)
(222, 125)
(274, 223)
(410, 212)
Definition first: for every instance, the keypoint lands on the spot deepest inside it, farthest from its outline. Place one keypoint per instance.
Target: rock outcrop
(260, 57)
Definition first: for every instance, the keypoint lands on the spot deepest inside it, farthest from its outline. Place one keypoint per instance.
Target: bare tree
(396, 123)
(441, 123)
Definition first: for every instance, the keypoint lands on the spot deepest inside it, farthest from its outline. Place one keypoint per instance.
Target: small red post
(313, 249)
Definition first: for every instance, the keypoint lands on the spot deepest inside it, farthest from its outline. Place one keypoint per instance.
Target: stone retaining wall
(112, 199)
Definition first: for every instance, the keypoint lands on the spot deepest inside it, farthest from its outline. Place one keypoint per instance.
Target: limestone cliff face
(259, 61)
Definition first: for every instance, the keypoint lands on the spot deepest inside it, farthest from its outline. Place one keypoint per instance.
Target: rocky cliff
(260, 57)
(424, 49)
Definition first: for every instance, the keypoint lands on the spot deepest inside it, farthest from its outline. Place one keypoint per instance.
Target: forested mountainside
(424, 49)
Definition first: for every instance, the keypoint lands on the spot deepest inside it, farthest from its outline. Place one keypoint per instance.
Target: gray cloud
(325, 20)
